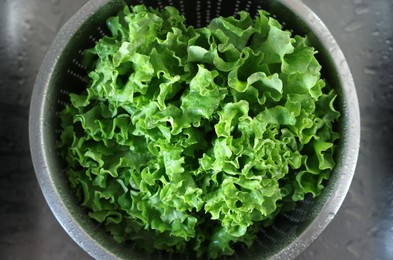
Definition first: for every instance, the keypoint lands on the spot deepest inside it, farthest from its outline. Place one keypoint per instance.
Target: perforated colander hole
(237, 5)
(93, 39)
(259, 241)
(208, 11)
(181, 7)
(248, 6)
(291, 218)
(218, 8)
(76, 75)
(256, 13)
(160, 5)
(198, 14)
(245, 250)
(62, 103)
(300, 211)
(58, 142)
(64, 91)
(170, 2)
(78, 64)
(268, 236)
(58, 133)
(278, 230)
(101, 31)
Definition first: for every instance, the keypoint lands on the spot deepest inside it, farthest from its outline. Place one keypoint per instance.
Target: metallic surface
(54, 79)
(58, 73)
(362, 228)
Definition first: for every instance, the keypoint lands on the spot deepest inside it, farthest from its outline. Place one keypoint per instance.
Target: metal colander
(62, 73)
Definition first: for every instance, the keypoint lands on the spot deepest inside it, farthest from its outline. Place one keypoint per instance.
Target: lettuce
(188, 138)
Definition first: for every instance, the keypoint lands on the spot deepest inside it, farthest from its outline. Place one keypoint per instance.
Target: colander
(62, 73)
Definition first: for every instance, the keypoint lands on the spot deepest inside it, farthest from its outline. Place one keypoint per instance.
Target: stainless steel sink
(363, 228)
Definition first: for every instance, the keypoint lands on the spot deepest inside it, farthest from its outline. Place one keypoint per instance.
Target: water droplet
(353, 26)
(22, 82)
(369, 71)
(357, 1)
(372, 232)
(375, 33)
(377, 232)
(311, 253)
(21, 68)
(361, 9)
(350, 248)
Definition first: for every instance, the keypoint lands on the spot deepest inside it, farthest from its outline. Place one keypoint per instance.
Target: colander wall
(62, 73)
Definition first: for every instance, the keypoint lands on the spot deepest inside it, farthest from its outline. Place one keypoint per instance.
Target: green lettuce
(189, 138)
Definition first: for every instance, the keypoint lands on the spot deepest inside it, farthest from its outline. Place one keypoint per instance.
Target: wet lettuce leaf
(186, 138)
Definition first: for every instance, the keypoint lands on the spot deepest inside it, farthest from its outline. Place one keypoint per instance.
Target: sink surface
(363, 228)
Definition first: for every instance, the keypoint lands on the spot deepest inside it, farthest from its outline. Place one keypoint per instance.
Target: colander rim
(40, 150)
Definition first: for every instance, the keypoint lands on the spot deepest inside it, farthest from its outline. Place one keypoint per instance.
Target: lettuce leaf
(186, 139)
